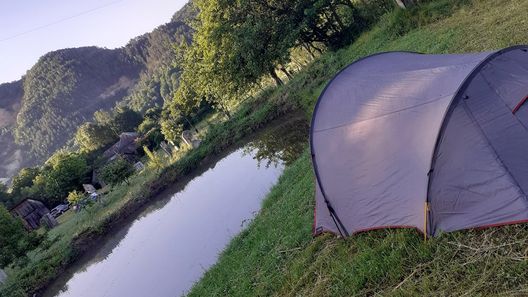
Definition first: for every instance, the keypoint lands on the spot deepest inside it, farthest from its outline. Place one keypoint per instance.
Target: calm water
(173, 242)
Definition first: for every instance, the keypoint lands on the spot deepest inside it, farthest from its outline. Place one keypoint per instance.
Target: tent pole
(426, 210)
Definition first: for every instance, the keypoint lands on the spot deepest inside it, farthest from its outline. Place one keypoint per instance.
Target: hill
(10, 102)
(40, 113)
(64, 89)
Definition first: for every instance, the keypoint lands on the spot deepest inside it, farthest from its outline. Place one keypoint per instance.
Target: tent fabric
(406, 140)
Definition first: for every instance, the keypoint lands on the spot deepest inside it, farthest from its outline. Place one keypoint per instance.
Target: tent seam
(502, 99)
(386, 114)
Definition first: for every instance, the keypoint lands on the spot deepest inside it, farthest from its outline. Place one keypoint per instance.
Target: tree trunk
(227, 113)
(405, 3)
(275, 77)
(283, 69)
(225, 110)
(309, 51)
(316, 48)
(337, 18)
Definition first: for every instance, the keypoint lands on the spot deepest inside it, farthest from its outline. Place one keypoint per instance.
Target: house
(89, 188)
(126, 147)
(190, 139)
(30, 211)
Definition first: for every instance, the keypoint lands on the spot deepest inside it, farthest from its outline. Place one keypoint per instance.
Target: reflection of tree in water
(280, 145)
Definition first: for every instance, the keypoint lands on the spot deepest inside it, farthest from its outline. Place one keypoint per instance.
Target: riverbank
(72, 239)
(277, 256)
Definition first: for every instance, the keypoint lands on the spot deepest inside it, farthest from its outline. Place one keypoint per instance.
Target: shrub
(76, 197)
(117, 171)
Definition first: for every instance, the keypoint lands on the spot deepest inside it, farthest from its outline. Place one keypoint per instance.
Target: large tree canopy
(237, 43)
(62, 173)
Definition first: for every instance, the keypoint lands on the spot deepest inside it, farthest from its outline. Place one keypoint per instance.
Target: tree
(5, 197)
(76, 197)
(62, 173)
(15, 241)
(117, 171)
(91, 136)
(122, 119)
(333, 23)
(24, 179)
(237, 42)
(171, 126)
(125, 120)
(155, 161)
(150, 129)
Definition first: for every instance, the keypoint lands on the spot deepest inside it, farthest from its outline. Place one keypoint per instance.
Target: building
(126, 147)
(30, 211)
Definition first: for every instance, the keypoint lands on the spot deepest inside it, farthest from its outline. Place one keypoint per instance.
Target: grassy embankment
(277, 256)
(82, 231)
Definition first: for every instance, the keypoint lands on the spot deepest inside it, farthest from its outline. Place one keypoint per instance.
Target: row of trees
(237, 44)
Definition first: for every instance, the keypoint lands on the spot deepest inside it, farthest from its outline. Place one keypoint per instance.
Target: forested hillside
(64, 89)
(41, 112)
(10, 154)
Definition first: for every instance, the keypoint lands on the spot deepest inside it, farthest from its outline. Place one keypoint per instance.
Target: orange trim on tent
(500, 224)
(518, 106)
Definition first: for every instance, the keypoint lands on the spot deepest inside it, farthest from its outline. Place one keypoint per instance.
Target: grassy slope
(276, 255)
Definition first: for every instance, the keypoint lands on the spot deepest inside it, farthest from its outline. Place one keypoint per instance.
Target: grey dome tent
(433, 142)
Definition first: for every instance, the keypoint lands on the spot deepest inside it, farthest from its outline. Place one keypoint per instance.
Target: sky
(31, 28)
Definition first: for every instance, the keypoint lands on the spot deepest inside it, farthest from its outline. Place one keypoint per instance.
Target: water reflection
(280, 144)
(178, 237)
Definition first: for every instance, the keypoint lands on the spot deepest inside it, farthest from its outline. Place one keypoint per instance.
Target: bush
(76, 197)
(117, 171)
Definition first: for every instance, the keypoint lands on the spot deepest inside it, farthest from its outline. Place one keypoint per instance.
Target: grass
(277, 256)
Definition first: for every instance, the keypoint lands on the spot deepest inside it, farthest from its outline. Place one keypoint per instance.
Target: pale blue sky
(31, 28)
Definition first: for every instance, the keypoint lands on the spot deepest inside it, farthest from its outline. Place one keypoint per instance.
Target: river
(171, 244)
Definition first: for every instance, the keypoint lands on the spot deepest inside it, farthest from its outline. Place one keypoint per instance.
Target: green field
(277, 255)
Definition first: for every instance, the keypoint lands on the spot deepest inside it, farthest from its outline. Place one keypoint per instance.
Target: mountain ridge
(40, 112)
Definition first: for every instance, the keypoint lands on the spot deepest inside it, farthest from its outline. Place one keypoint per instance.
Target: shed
(125, 147)
(30, 211)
